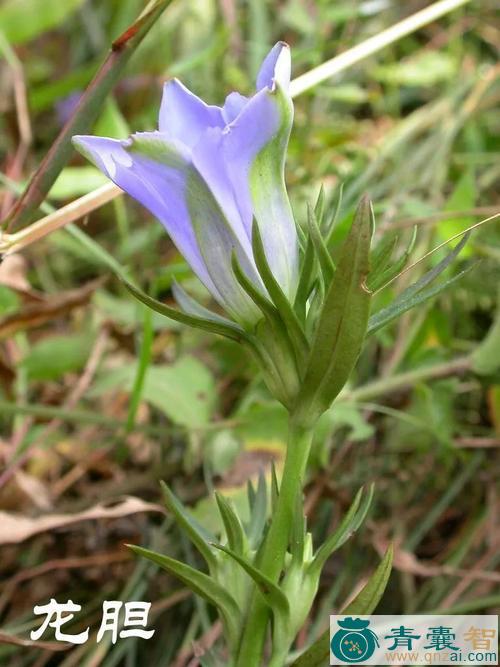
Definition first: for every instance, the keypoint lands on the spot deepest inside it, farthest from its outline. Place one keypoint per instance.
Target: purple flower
(208, 172)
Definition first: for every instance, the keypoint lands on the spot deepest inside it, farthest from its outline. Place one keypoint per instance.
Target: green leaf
(192, 307)
(258, 511)
(349, 525)
(53, 356)
(306, 279)
(76, 181)
(365, 602)
(319, 206)
(260, 300)
(342, 324)
(196, 533)
(184, 390)
(236, 537)
(324, 258)
(386, 271)
(278, 297)
(271, 593)
(22, 20)
(399, 306)
(486, 356)
(380, 257)
(200, 583)
(330, 226)
(367, 599)
(227, 329)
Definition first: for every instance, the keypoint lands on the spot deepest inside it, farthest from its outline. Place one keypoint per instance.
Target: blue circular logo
(354, 641)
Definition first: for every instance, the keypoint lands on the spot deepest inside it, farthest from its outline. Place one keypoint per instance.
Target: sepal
(219, 326)
(196, 533)
(342, 323)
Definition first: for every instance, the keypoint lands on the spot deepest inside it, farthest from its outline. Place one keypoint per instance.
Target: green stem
(273, 555)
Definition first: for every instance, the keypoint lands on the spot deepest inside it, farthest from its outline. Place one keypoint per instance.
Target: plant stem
(273, 555)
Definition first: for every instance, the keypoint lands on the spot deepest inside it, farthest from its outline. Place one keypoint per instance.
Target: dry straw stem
(13, 242)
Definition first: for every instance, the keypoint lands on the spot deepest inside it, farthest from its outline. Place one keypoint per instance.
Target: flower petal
(159, 174)
(233, 106)
(157, 186)
(276, 68)
(244, 168)
(184, 116)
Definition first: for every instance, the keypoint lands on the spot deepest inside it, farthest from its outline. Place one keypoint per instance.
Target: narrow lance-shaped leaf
(347, 526)
(398, 307)
(385, 276)
(365, 603)
(380, 258)
(236, 537)
(369, 596)
(319, 206)
(198, 536)
(192, 307)
(342, 323)
(330, 224)
(284, 307)
(201, 584)
(258, 512)
(306, 279)
(324, 258)
(271, 593)
(229, 330)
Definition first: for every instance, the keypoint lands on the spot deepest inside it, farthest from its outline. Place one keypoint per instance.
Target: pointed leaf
(258, 513)
(398, 307)
(338, 537)
(319, 206)
(325, 260)
(342, 323)
(271, 593)
(196, 533)
(274, 487)
(363, 510)
(236, 537)
(380, 258)
(278, 297)
(370, 595)
(330, 227)
(233, 331)
(192, 307)
(200, 583)
(366, 601)
(390, 272)
(306, 279)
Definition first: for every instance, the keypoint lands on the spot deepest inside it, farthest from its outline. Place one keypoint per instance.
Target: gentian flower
(208, 173)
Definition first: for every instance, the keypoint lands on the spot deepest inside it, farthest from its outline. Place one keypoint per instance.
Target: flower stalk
(276, 543)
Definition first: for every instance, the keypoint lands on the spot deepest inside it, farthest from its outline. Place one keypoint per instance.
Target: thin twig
(84, 116)
(438, 247)
(372, 45)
